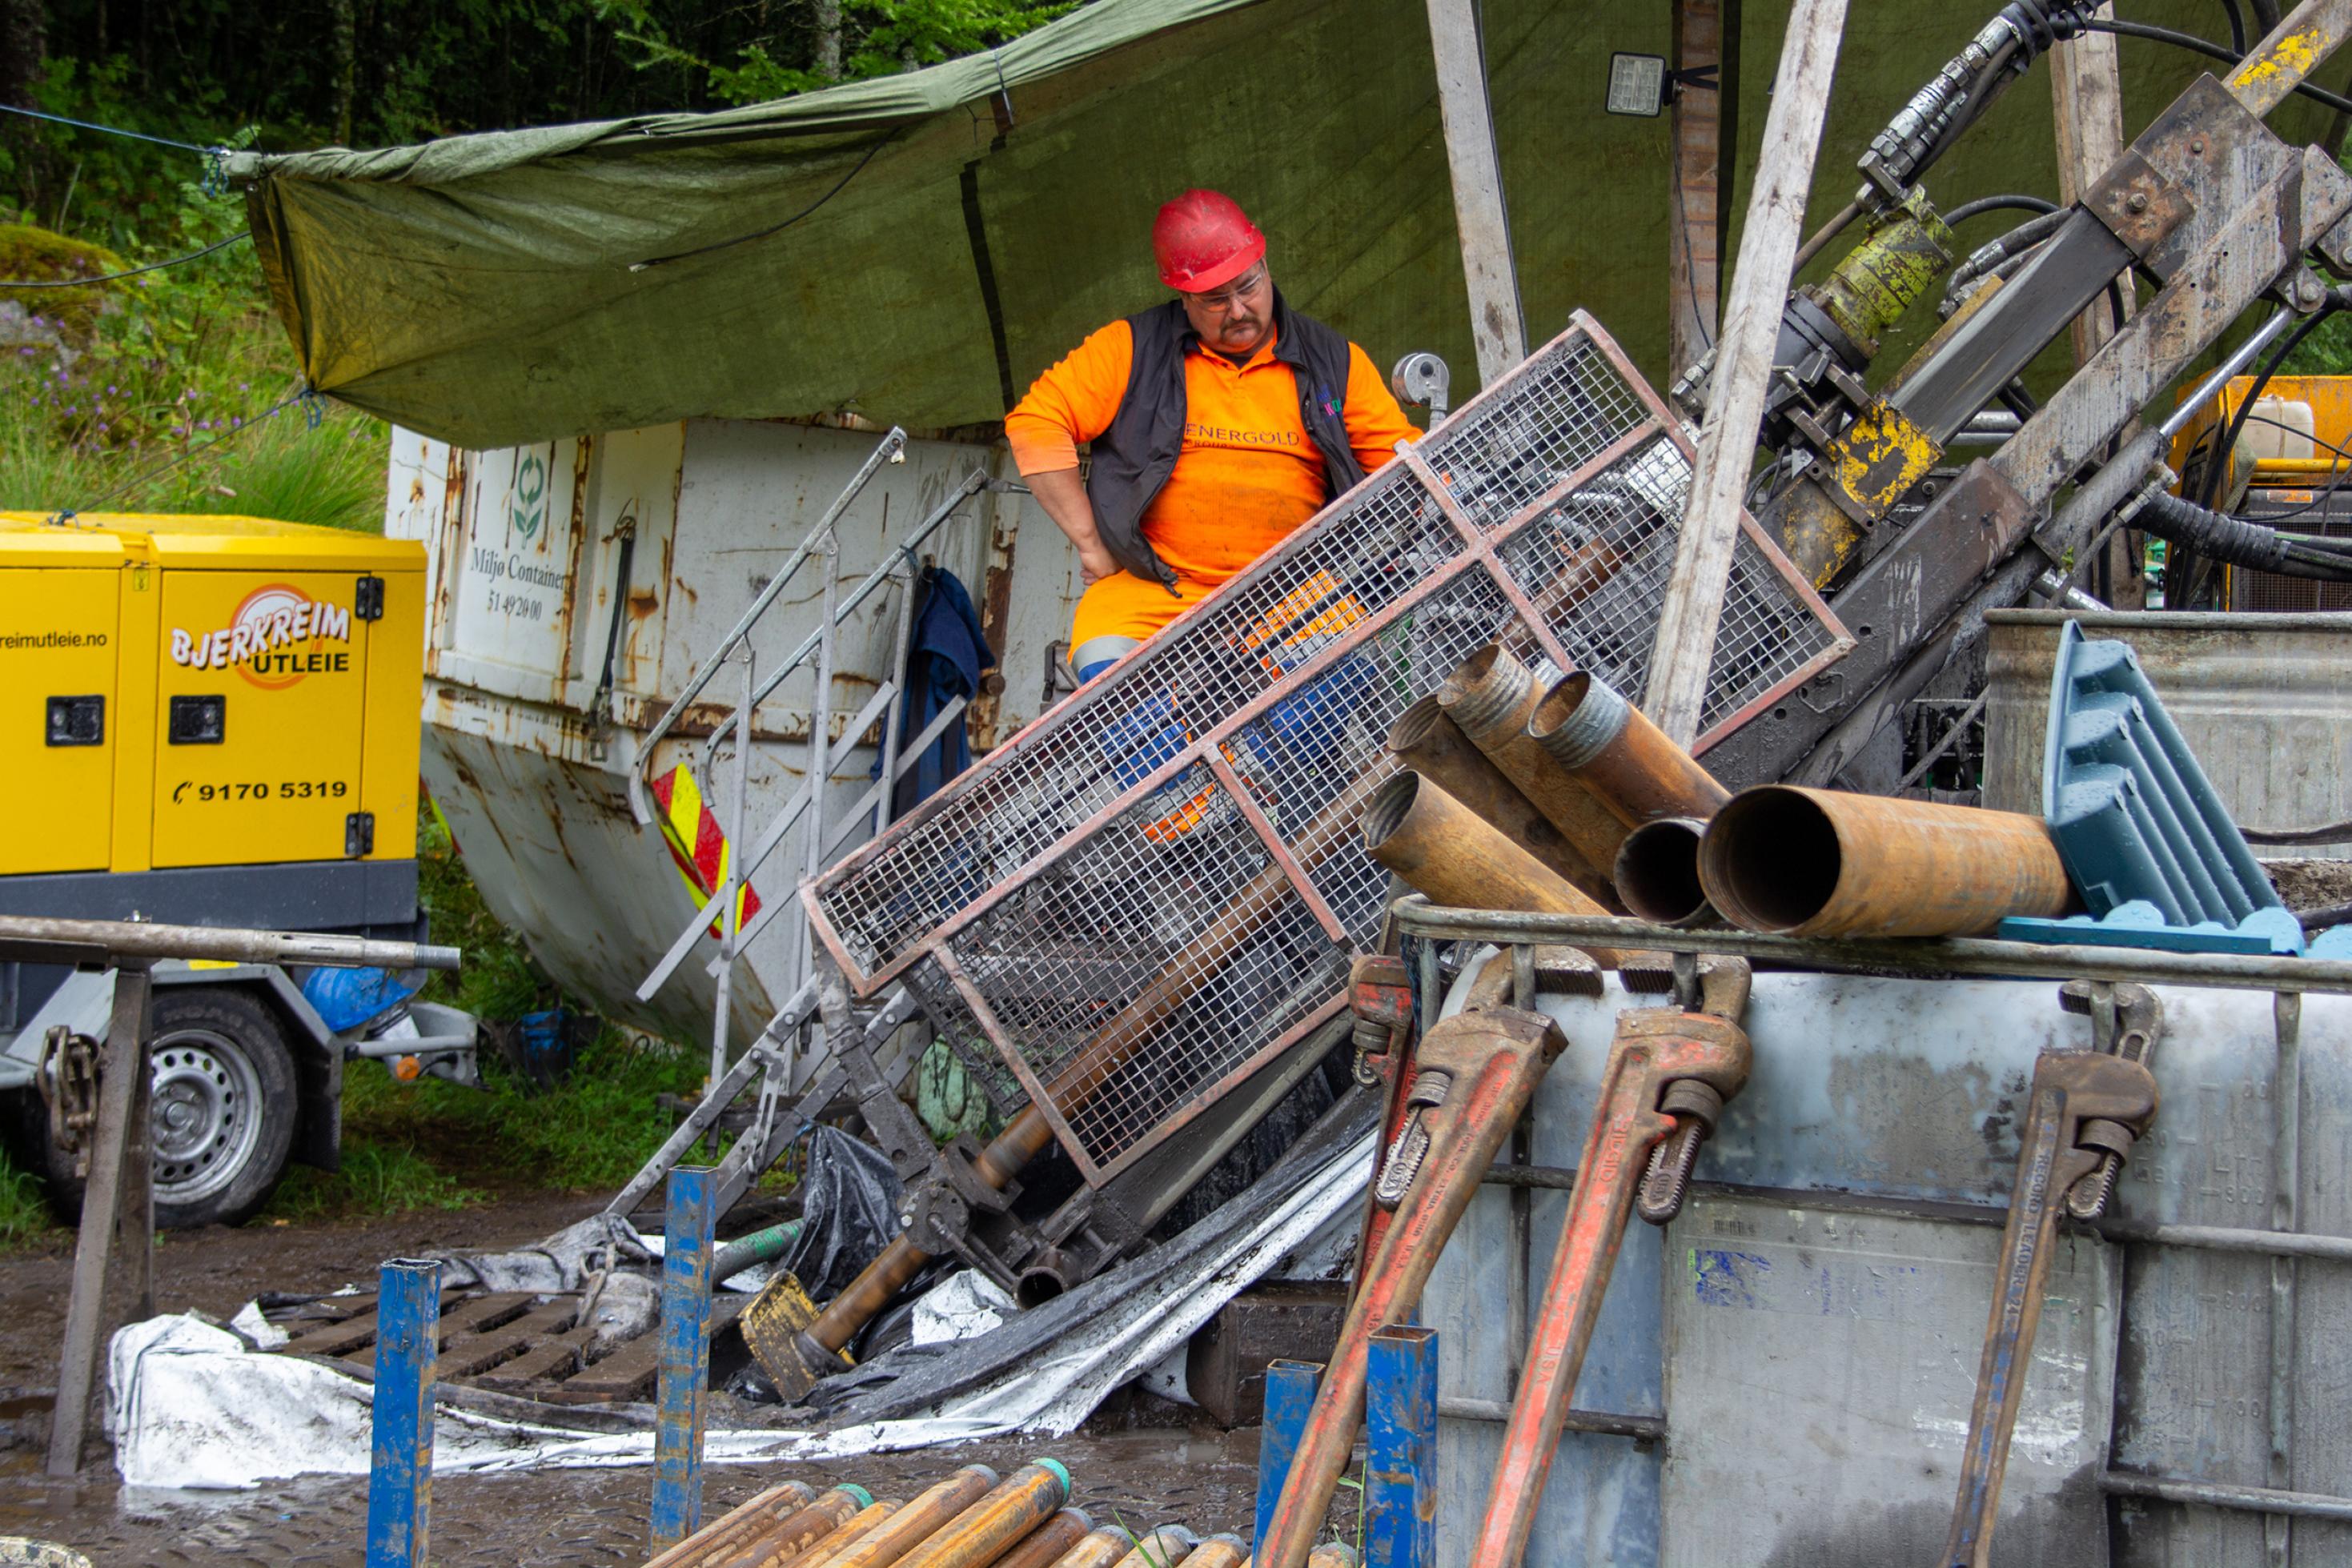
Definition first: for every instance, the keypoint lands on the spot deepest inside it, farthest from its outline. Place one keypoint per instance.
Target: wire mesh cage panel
(1156, 887)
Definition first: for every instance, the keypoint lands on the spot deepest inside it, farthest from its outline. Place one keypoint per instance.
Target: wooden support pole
(1694, 236)
(113, 1257)
(2087, 105)
(1498, 326)
(1692, 610)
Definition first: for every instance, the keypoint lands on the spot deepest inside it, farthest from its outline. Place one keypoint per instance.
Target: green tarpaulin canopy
(915, 248)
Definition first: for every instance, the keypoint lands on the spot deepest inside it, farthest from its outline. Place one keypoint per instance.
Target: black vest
(1133, 458)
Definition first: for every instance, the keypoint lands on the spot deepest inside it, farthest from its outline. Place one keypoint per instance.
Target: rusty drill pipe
(768, 1507)
(1628, 764)
(791, 1511)
(1219, 1552)
(756, 1553)
(926, 1515)
(1050, 1541)
(1446, 850)
(1822, 863)
(1492, 695)
(984, 1532)
(1029, 1133)
(1657, 874)
(1488, 1064)
(1163, 1548)
(1426, 739)
(1332, 1555)
(796, 1539)
(1103, 1547)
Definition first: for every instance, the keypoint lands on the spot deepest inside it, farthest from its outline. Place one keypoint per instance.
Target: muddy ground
(1141, 1475)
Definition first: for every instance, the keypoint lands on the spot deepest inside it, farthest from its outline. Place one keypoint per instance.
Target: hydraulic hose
(2238, 542)
(2206, 46)
(760, 1246)
(2010, 201)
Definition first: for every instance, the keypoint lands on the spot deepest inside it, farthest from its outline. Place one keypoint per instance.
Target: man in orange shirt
(1220, 420)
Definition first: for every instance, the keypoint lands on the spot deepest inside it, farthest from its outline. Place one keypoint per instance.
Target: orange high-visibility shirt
(1246, 476)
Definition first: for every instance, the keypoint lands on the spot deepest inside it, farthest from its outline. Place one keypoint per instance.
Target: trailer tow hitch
(1670, 1070)
(2088, 1107)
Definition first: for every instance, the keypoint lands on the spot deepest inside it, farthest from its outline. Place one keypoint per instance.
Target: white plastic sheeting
(191, 1405)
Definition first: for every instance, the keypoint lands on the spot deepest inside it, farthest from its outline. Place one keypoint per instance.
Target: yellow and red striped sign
(697, 843)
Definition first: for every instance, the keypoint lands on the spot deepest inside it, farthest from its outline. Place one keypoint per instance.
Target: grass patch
(26, 1220)
(376, 1178)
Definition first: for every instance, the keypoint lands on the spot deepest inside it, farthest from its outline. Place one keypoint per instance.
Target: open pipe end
(1385, 812)
(1770, 860)
(1414, 725)
(1657, 872)
(1579, 718)
(1487, 688)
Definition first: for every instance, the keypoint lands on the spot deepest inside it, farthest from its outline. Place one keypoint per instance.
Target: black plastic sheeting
(850, 1196)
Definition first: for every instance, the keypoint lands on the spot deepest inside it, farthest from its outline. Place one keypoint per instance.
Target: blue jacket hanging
(945, 659)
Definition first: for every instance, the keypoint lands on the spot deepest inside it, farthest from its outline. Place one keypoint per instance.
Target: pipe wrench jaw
(1428, 1092)
(2110, 1101)
(1695, 1063)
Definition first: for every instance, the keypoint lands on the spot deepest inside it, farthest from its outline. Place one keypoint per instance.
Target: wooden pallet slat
(471, 1354)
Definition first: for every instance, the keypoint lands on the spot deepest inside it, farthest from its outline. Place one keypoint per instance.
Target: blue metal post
(1400, 1448)
(1289, 1398)
(400, 1466)
(684, 1356)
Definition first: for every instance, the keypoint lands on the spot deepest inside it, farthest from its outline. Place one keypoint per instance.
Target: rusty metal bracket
(68, 1079)
(2138, 204)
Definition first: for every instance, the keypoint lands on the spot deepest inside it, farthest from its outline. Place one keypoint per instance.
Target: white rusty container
(1781, 1378)
(528, 761)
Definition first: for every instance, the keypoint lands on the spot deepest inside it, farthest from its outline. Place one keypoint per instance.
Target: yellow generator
(2287, 470)
(211, 721)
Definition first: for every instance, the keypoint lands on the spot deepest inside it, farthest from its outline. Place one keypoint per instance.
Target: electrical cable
(2206, 46)
(1690, 276)
(772, 228)
(313, 410)
(1967, 210)
(109, 129)
(2237, 27)
(117, 276)
(2219, 464)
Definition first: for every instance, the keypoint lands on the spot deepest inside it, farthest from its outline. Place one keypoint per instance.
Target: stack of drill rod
(1558, 797)
(969, 1519)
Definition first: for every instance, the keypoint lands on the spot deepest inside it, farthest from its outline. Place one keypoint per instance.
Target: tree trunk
(828, 39)
(343, 62)
(23, 50)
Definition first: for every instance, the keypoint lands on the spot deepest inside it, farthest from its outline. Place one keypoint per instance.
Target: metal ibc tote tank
(1783, 1377)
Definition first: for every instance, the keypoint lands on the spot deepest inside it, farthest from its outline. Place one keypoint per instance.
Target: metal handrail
(1886, 956)
(893, 449)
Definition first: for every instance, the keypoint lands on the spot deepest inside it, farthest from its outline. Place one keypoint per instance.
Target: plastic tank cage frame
(1156, 887)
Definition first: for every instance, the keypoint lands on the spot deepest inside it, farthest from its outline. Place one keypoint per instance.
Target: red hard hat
(1202, 239)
